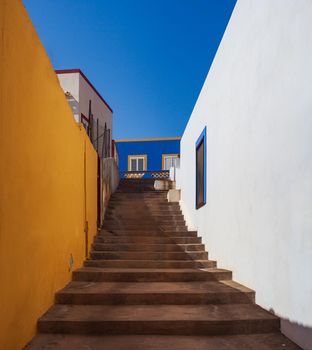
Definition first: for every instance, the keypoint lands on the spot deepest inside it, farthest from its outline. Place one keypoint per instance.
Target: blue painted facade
(154, 149)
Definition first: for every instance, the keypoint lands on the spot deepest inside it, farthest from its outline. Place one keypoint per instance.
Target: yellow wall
(43, 204)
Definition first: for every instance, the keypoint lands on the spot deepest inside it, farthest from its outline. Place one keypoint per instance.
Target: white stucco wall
(99, 109)
(257, 106)
(82, 92)
(70, 83)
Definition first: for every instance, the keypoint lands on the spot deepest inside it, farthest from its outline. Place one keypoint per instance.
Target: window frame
(201, 139)
(136, 156)
(163, 157)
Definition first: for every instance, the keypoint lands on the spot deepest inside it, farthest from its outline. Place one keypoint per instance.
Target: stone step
(269, 341)
(146, 218)
(137, 223)
(150, 200)
(152, 264)
(147, 193)
(152, 235)
(160, 194)
(96, 274)
(136, 208)
(145, 239)
(155, 194)
(142, 217)
(175, 293)
(137, 189)
(148, 247)
(148, 255)
(142, 213)
(143, 220)
(148, 203)
(144, 223)
(146, 233)
(158, 319)
(138, 213)
(143, 205)
(141, 227)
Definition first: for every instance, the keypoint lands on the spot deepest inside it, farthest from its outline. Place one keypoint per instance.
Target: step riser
(129, 227)
(160, 234)
(142, 205)
(153, 264)
(131, 220)
(150, 276)
(135, 209)
(161, 197)
(141, 201)
(143, 223)
(145, 231)
(271, 341)
(154, 194)
(147, 239)
(142, 213)
(149, 255)
(147, 215)
(148, 247)
(142, 195)
(154, 299)
(138, 219)
(161, 327)
(145, 220)
(134, 212)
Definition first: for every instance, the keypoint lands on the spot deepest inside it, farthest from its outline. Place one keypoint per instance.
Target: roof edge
(150, 139)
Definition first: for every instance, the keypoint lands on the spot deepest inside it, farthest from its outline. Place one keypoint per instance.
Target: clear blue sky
(148, 58)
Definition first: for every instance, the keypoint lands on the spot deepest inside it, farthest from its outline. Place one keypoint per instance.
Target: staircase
(149, 284)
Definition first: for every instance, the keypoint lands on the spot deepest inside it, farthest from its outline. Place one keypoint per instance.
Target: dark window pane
(133, 164)
(140, 164)
(200, 173)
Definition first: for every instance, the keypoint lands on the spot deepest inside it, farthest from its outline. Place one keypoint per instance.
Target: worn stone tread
(157, 247)
(148, 274)
(269, 341)
(158, 319)
(152, 287)
(162, 313)
(155, 293)
(150, 263)
(147, 255)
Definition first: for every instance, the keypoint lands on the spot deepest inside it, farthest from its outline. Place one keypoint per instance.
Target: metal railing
(154, 174)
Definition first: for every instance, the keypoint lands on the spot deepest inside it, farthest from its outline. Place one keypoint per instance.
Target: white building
(252, 125)
(89, 108)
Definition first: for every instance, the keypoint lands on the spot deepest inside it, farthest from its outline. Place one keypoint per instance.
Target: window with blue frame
(201, 150)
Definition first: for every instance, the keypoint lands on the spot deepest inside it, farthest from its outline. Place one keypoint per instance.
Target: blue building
(148, 155)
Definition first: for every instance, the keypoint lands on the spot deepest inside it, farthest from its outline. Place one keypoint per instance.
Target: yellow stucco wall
(45, 191)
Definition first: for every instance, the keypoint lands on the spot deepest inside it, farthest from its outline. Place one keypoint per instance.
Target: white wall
(82, 92)
(70, 83)
(257, 106)
(98, 107)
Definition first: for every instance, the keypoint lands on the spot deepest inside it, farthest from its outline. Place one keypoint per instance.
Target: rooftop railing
(154, 174)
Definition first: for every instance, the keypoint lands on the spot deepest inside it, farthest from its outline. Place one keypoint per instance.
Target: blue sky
(147, 58)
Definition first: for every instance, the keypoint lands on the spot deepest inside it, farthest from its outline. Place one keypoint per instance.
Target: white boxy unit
(256, 106)
(89, 108)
